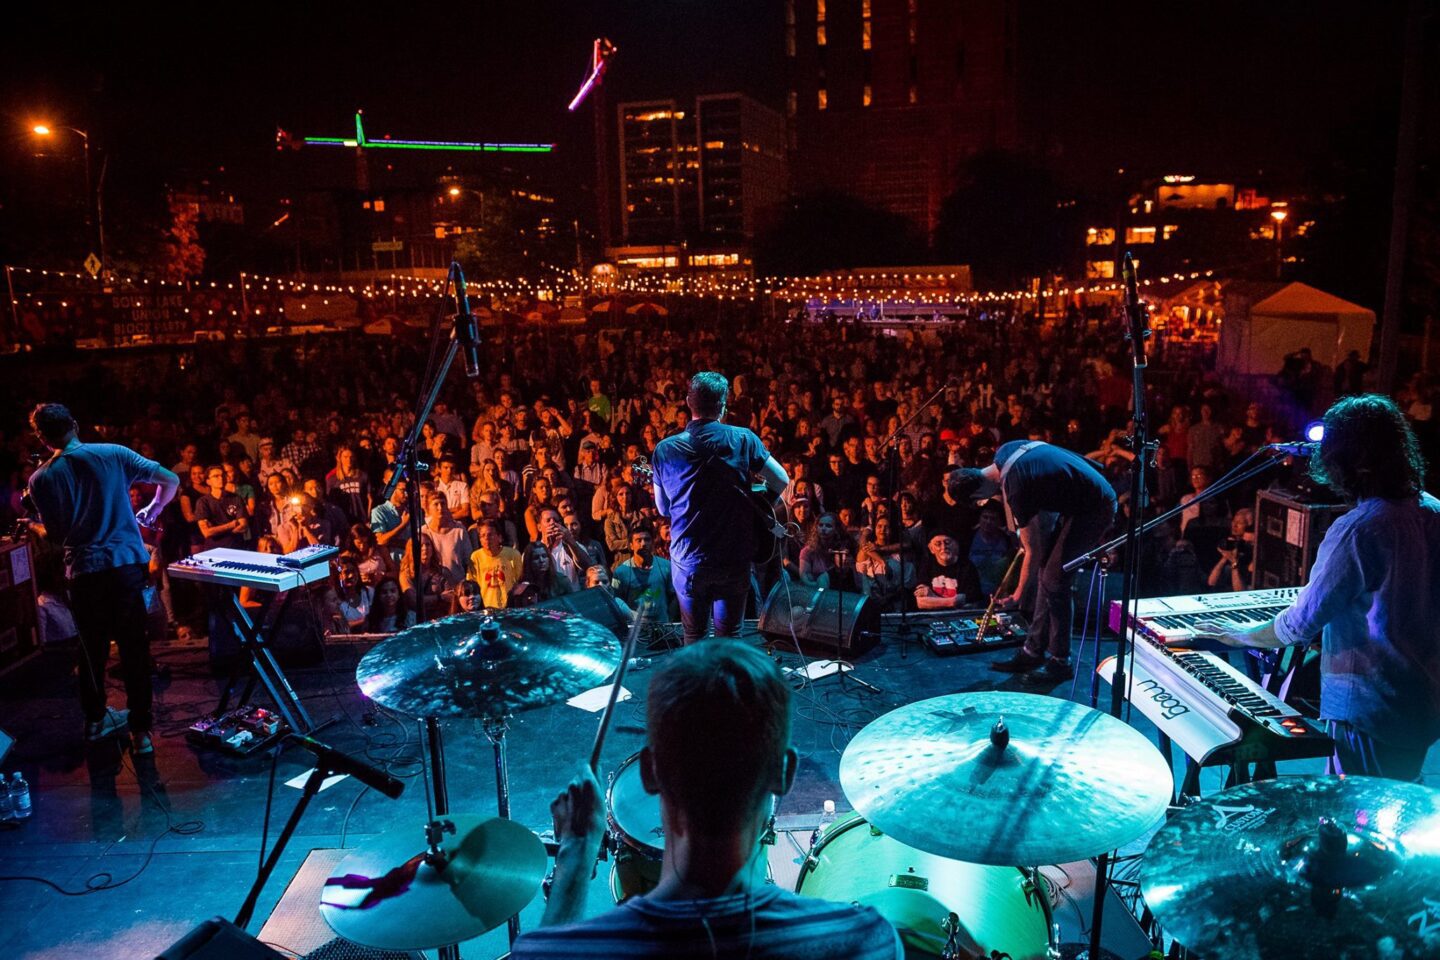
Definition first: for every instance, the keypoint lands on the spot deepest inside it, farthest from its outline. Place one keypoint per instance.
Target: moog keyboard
(1213, 711)
(259, 571)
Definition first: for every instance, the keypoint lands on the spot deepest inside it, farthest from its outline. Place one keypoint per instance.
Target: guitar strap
(1005, 472)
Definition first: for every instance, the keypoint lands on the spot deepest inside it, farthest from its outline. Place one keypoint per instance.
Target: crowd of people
(530, 488)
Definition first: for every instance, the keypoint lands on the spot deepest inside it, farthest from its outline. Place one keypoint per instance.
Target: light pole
(1278, 213)
(91, 195)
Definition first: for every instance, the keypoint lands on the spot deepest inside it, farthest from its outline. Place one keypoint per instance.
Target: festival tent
(1297, 315)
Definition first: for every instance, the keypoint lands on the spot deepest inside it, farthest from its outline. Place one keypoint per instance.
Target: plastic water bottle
(827, 817)
(19, 796)
(7, 805)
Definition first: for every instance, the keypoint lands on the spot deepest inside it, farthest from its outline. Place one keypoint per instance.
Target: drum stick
(625, 655)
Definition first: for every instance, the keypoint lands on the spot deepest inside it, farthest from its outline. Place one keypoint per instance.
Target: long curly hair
(1369, 450)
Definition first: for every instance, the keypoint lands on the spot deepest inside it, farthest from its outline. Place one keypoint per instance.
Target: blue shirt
(1374, 597)
(386, 517)
(83, 497)
(768, 924)
(704, 474)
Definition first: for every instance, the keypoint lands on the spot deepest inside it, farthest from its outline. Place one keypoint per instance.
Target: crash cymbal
(385, 895)
(1301, 866)
(489, 664)
(1005, 778)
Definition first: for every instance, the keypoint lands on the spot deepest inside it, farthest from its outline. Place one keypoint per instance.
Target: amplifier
(828, 623)
(592, 603)
(1288, 531)
(19, 630)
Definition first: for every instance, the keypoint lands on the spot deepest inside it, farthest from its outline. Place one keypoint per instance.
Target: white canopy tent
(1295, 316)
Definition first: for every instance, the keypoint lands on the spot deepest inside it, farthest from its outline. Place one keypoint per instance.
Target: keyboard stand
(255, 641)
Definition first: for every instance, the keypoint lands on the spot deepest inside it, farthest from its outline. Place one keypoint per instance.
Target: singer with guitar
(702, 484)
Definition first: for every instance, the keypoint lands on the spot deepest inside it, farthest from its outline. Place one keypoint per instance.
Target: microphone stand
(408, 469)
(1138, 330)
(891, 447)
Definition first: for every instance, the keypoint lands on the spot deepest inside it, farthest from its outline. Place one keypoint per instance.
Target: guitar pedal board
(241, 731)
(963, 634)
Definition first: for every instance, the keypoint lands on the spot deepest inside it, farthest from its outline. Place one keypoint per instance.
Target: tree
(182, 255)
(1004, 220)
(829, 230)
(514, 239)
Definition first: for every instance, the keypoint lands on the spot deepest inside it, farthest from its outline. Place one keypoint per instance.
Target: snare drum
(637, 837)
(998, 908)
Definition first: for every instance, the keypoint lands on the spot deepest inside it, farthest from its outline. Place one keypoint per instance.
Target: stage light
(1315, 431)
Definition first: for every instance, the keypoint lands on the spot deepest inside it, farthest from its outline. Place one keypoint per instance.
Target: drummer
(719, 754)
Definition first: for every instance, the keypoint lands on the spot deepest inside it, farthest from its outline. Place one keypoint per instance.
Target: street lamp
(1278, 213)
(45, 130)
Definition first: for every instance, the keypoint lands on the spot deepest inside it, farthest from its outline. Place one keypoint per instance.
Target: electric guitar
(770, 513)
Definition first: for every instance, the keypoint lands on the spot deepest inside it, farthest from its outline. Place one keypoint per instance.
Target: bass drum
(998, 908)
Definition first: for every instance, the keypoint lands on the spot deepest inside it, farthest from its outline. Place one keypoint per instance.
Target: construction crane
(600, 56)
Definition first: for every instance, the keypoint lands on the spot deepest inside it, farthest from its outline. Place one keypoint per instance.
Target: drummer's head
(718, 718)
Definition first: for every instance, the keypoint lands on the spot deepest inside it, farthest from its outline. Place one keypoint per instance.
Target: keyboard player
(1373, 596)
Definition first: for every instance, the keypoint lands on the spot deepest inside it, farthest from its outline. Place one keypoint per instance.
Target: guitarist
(702, 484)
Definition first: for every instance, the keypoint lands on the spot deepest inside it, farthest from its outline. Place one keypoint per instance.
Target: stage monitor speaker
(1288, 531)
(828, 623)
(218, 939)
(592, 604)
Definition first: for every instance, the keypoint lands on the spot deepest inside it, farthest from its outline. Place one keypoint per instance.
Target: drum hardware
(488, 666)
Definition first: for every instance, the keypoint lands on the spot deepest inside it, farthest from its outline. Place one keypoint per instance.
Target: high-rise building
(706, 177)
(888, 97)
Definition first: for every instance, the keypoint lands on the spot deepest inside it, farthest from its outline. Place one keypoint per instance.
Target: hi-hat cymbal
(1057, 782)
(488, 665)
(385, 895)
(1314, 866)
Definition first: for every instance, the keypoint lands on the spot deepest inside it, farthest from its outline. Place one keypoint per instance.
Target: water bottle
(19, 796)
(827, 817)
(7, 806)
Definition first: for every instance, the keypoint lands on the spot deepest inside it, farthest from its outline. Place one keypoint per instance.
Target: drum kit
(958, 801)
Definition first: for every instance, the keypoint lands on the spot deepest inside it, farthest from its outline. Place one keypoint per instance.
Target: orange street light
(1279, 215)
(40, 130)
(454, 191)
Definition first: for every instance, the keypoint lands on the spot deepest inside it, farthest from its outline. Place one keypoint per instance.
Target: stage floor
(98, 811)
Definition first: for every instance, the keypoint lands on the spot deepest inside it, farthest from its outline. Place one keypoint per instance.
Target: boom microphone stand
(408, 469)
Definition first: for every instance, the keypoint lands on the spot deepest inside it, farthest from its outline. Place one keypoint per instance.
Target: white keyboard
(246, 568)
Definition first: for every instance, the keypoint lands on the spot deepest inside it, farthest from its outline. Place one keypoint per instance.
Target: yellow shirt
(497, 575)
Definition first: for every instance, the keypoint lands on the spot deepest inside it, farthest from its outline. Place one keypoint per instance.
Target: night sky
(1221, 88)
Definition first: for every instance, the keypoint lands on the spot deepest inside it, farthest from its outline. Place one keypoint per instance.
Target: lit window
(1100, 270)
(820, 35)
(819, 11)
(822, 99)
(1139, 234)
(865, 34)
(379, 206)
(790, 40)
(911, 6)
(865, 9)
(1100, 236)
(792, 103)
(914, 94)
(790, 12)
(866, 97)
(1169, 231)
(914, 33)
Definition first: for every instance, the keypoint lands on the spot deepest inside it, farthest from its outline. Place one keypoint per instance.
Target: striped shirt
(767, 924)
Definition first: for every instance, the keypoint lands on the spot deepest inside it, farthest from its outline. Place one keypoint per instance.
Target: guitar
(770, 513)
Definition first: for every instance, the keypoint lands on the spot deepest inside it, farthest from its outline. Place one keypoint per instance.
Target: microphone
(1304, 448)
(465, 332)
(338, 762)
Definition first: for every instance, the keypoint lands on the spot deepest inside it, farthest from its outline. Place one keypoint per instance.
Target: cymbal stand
(495, 728)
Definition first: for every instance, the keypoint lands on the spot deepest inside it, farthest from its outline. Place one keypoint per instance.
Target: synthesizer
(249, 568)
(1213, 711)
